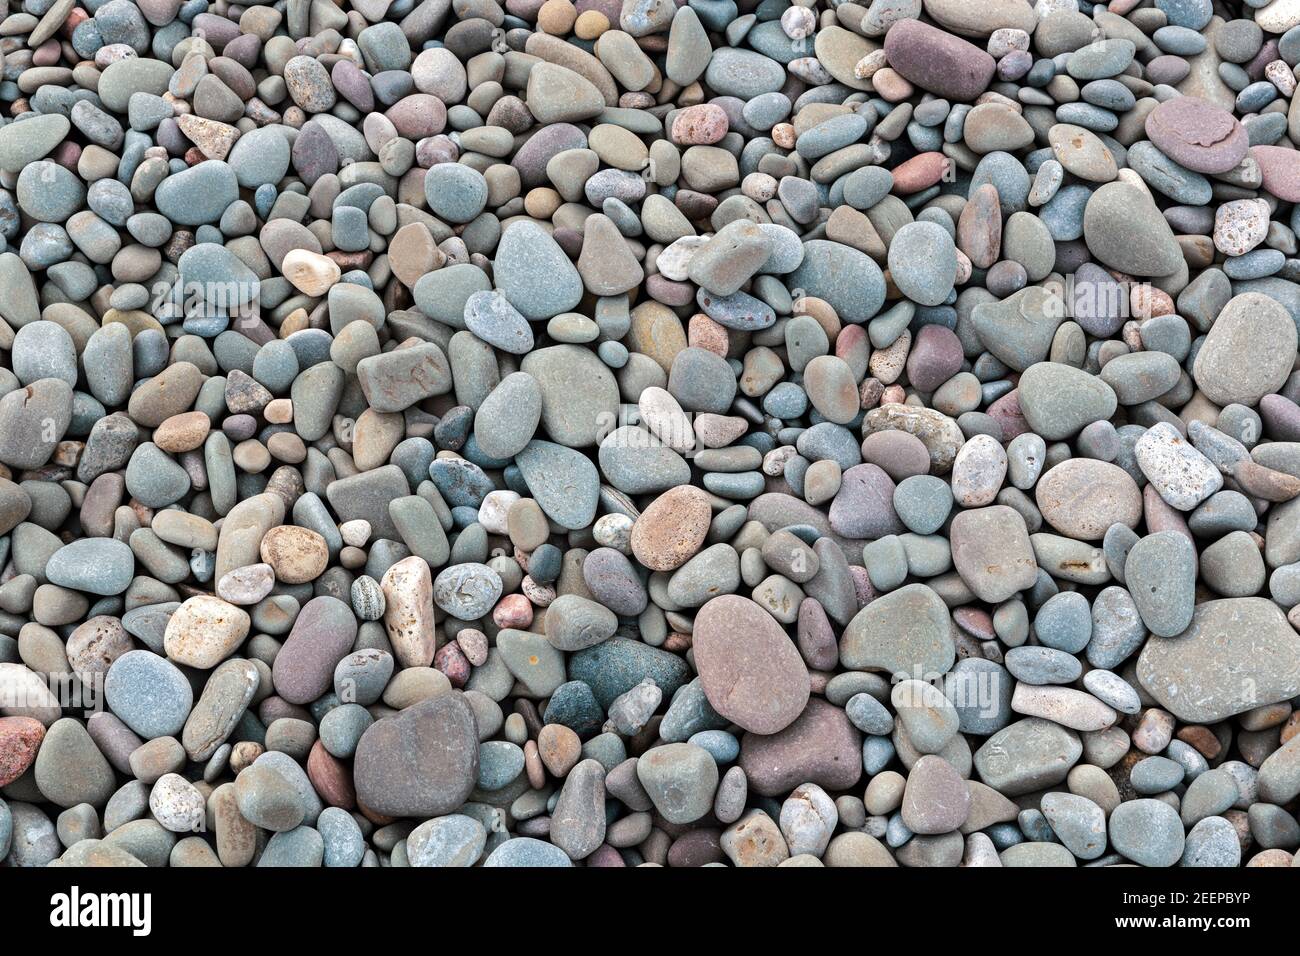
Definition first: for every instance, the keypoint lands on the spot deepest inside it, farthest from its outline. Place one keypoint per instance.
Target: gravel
(658, 434)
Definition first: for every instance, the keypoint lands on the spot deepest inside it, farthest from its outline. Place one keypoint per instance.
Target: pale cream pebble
(774, 461)
(204, 631)
(888, 364)
(408, 611)
(541, 595)
(243, 754)
(783, 135)
(298, 555)
(1240, 226)
(675, 261)
(177, 804)
(759, 187)
(1007, 40)
(870, 65)
(279, 411)
(495, 509)
(614, 530)
(355, 532)
(246, 585)
(810, 70)
(798, 22)
(1281, 76)
(664, 417)
(310, 272)
(112, 52)
(25, 693)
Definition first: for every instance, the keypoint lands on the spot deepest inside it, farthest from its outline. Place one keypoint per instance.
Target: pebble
(759, 683)
(1197, 135)
(1146, 831)
(451, 840)
(1232, 366)
(1181, 474)
(1191, 676)
(1124, 229)
(441, 734)
(148, 693)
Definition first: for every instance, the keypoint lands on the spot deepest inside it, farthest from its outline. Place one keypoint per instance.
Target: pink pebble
(67, 155)
(513, 610)
(699, 125)
(451, 660)
(47, 54)
(112, 53)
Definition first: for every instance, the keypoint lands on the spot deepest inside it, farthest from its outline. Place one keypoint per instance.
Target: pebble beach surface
(637, 432)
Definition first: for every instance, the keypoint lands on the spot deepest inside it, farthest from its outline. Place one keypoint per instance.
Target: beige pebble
(355, 532)
(183, 432)
(205, 630)
(297, 555)
(310, 272)
(278, 411)
(408, 611)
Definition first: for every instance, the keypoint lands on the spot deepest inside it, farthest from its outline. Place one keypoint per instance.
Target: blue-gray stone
(196, 195)
(102, 566)
(615, 666)
(149, 693)
(563, 481)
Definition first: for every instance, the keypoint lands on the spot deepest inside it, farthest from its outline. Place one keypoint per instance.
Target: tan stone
(298, 555)
(204, 631)
(310, 272)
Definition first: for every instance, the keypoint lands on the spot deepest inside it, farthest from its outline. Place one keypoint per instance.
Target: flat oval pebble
(749, 669)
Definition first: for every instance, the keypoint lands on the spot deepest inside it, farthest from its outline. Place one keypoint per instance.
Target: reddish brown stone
(605, 856)
(1006, 411)
(821, 747)
(920, 172)
(330, 777)
(696, 848)
(20, 738)
(936, 356)
(451, 660)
